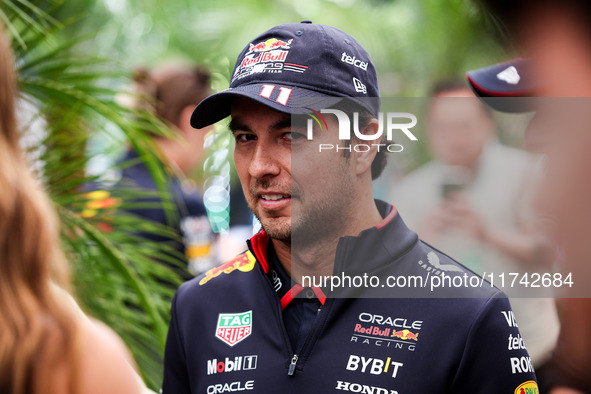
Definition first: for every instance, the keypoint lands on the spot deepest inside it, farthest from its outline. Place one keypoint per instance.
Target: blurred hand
(436, 222)
(453, 213)
(466, 219)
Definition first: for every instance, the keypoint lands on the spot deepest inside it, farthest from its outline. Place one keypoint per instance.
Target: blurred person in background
(557, 38)
(171, 91)
(472, 202)
(47, 345)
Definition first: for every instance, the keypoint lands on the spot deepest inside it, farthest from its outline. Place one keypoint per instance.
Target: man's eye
(294, 136)
(244, 137)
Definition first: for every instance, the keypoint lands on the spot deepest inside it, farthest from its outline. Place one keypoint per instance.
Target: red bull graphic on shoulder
(232, 328)
(245, 263)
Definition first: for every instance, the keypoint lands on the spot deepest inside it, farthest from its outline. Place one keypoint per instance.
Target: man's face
(458, 128)
(290, 187)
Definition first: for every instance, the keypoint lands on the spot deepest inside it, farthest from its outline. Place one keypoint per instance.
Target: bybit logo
(374, 366)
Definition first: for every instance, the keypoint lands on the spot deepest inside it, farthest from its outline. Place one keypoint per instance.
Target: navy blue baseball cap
(511, 79)
(294, 67)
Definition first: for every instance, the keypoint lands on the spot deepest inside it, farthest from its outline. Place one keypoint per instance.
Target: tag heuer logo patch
(234, 327)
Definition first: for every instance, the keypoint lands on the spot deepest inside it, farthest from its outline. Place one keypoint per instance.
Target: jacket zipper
(277, 302)
(295, 357)
(292, 366)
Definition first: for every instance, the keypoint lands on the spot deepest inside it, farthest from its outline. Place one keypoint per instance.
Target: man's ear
(366, 150)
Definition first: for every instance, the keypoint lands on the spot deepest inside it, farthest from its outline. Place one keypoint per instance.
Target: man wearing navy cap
(257, 323)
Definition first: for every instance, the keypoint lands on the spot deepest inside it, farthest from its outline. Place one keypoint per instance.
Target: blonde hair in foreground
(38, 333)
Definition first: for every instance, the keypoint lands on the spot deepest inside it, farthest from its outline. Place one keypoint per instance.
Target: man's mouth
(274, 197)
(274, 201)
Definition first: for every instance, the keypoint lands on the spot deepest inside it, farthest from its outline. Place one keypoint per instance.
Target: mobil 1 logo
(238, 363)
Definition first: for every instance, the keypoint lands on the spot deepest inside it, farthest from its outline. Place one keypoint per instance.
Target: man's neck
(317, 259)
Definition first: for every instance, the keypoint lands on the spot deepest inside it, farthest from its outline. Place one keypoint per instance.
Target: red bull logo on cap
(269, 45)
(267, 56)
(273, 56)
(245, 262)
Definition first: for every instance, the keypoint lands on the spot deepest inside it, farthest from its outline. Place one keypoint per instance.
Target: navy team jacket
(227, 334)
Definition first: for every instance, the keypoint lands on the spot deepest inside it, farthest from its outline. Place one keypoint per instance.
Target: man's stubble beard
(312, 222)
(275, 228)
(319, 221)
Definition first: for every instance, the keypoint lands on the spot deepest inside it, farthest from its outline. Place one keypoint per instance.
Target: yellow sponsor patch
(245, 262)
(529, 387)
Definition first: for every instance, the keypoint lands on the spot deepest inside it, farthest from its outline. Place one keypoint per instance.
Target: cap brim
(503, 86)
(218, 106)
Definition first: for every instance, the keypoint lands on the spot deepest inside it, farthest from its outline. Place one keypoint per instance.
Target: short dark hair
(350, 106)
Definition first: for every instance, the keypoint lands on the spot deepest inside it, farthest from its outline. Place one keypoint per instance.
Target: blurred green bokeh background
(412, 42)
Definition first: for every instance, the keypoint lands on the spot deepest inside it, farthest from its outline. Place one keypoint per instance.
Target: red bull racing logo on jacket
(386, 331)
(405, 334)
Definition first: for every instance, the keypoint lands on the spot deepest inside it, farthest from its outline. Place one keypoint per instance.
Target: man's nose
(264, 162)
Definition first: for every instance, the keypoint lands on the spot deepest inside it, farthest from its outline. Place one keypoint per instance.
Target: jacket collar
(258, 246)
(377, 246)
